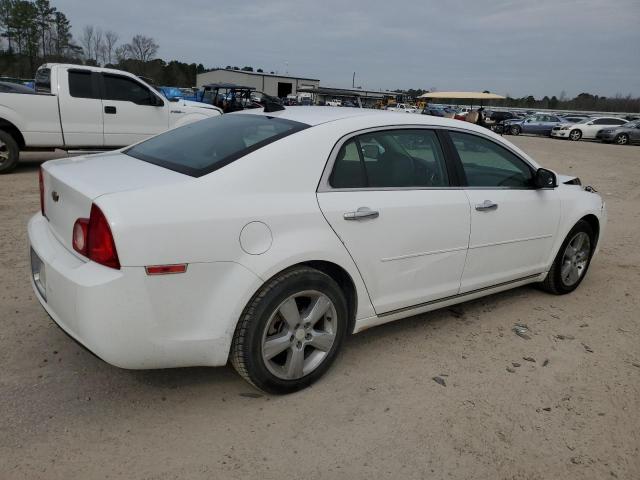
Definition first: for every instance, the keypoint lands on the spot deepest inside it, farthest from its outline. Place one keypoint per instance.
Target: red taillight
(92, 238)
(41, 185)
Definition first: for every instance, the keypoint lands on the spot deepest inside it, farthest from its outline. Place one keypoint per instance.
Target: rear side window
(391, 159)
(202, 147)
(81, 84)
(43, 80)
(127, 90)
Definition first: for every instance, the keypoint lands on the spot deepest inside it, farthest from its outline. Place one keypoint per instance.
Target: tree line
(34, 32)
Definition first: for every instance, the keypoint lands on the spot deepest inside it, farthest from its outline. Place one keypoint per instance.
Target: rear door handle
(486, 205)
(110, 109)
(361, 214)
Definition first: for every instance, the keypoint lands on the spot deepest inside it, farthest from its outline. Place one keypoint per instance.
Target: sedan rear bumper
(132, 320)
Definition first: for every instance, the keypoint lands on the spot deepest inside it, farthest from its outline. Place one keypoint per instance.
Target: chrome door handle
(361, 213)
(486, 205)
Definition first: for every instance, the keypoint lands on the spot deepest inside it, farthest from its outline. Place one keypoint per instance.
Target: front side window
(487, 164)
(207, 145)
(391, 159)
(127, 90)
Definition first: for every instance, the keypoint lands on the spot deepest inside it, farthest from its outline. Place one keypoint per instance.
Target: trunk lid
(72, 184)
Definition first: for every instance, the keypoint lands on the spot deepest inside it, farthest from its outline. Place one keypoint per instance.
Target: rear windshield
(202, 147)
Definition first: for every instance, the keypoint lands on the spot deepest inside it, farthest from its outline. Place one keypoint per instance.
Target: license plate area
(38, 273)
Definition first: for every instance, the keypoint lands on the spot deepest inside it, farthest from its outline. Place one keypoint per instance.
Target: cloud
(519, 47)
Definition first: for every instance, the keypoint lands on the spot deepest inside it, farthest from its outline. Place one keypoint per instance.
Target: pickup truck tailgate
(72, 184)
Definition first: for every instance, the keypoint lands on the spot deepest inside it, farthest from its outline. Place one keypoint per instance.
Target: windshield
(202, 147)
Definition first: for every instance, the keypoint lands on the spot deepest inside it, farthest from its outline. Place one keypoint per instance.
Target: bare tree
(110, 40)
(142, 48)
(121, 53)
(98, 46)
(87, 41)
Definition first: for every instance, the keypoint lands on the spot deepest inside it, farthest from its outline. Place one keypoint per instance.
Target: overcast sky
(520, 47)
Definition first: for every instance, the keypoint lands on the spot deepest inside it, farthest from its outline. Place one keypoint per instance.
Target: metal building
(276, 85)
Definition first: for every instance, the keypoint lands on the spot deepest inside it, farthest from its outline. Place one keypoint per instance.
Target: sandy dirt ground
(571, 412)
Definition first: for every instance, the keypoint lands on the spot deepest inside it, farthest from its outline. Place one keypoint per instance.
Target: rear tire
(575, 135)
(9, 152)
(290, 332)
(572, 261)
(622, 139)
(515, 130)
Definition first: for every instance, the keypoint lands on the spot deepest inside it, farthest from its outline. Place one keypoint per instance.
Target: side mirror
(590, 123)
(545, 179)
(529, 121)
(174, 99)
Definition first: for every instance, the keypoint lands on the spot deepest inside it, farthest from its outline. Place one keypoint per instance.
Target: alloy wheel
(575, 259)
(4, 152)
(575, 135)
(622, 139)
(299, 335)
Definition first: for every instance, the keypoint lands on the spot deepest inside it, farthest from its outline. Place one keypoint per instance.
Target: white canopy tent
(463, 95)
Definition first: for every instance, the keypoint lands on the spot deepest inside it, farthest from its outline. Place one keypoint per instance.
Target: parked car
(461, 113)
(540, 124)
(264, 238)
(334, 103)
(10, 87)
(587, 128)
(622, 135)
(87, 108)
(436, 112)
(574, 118)
(500, 116)
(171, 93)
(403, 107)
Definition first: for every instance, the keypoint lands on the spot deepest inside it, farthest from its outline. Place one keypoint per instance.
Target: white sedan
(587, 128)
(264, 238)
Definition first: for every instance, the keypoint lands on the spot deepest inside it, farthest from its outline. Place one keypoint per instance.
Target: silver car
(622, 135)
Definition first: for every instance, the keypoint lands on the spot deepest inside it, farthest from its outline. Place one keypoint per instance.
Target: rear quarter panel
(36, 116)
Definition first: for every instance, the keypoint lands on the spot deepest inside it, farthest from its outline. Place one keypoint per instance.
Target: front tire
(515, 130)
(575, 135)
(572, 261)
(290, 332)
(9, 152)
(622, 139)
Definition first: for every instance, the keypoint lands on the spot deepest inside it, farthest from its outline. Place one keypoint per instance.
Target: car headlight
(564, 128)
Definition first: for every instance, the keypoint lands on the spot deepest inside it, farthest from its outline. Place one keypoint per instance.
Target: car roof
(315, 115)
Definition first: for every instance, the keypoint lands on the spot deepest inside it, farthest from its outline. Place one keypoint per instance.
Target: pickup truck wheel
(9, 152)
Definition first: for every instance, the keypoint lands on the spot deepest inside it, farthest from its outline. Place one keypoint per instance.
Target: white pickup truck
(78, 107)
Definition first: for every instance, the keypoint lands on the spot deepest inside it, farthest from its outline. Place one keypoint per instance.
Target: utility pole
(353, 81)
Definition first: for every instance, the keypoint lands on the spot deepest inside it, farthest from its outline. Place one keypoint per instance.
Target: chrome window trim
(324, 185)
